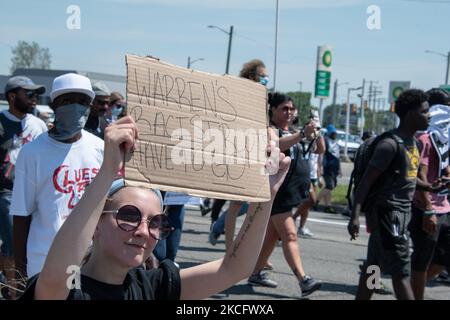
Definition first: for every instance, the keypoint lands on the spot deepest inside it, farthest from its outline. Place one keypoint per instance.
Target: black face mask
(22, 107)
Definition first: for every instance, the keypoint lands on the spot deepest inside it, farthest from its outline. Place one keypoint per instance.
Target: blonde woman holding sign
(124, 224)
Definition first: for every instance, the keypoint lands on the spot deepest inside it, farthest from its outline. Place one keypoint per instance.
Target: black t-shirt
(296, 185)
(157, 284)
(396, 187)
(9, 130)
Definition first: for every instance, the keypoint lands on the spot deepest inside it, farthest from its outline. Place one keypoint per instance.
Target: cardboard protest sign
(199, 133)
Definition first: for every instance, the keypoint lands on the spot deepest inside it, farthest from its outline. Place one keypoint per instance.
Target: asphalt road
(329, 257)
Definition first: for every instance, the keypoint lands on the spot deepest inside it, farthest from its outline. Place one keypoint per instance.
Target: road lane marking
(331, 222)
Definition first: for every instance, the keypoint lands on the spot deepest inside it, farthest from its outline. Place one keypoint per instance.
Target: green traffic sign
(446, 87)
(322, 87)
(323, 74)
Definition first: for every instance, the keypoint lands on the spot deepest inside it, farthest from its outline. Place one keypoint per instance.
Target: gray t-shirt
(397, 183)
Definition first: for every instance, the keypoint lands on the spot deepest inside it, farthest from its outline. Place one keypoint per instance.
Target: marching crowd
(63, 202)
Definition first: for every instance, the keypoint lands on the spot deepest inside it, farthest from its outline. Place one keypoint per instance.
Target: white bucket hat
(71, 82)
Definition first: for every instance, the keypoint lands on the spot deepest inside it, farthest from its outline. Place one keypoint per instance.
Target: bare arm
(21, 228)
(424, 190)
(230, 223)
(383, 153)
(320, 145)
(202, 281)
(73, 239)
(288, 141)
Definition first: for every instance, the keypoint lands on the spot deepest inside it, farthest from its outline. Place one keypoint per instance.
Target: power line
(252, 40)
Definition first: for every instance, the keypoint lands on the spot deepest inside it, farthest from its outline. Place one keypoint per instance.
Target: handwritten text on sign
(199, 133)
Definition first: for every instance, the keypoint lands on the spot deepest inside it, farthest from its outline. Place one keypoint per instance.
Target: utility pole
(447, 71)
(230, 39)
(362, 108)
(448, 68)
(347, 122)
(375, 102)
(334, 102)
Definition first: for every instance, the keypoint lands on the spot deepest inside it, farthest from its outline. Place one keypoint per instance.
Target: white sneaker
(305, 233)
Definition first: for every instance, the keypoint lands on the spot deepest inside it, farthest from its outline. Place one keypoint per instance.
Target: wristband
(429, 213)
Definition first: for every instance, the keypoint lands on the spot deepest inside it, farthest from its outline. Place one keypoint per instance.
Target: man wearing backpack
(385, 194)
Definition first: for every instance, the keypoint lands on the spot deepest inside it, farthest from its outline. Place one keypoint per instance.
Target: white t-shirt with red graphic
(51, 177)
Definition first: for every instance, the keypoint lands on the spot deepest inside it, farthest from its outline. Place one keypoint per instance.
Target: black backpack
(361, 162)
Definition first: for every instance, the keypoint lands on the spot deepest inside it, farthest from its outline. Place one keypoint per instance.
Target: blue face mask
(69, 121)
(264, 80)
(116, 111)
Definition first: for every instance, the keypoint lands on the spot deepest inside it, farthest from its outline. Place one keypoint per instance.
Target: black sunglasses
(129, 218)
(31, 94)
(101, 102)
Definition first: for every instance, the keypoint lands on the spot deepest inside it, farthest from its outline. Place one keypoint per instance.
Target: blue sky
(175, 29)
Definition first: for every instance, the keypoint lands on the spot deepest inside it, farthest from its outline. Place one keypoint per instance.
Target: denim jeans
(219, 225)
(6, 223)
(167, 249)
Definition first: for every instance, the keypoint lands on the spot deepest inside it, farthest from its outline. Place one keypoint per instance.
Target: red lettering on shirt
(73, 181)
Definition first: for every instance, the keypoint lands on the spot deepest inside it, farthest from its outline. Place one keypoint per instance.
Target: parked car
(353, 144)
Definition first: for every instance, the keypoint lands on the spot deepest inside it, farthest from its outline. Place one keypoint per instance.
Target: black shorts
(281, 209)
(389, 240)
(330, 181)
(433, 248)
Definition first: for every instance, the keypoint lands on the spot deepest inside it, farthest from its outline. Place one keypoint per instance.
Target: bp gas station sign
(323, 72)
(396, 88)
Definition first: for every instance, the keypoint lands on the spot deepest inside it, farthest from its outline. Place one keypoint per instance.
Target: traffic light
(353, 107)
(366, 104)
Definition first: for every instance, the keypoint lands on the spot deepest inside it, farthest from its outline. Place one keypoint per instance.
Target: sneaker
(204, 210)
(305, 233)
(212, 236)
(330, 210)
(268, 266)
(443, 277)
(316, 206)
(309, 285)
(347, 213)
(262, 279)
(383, 290)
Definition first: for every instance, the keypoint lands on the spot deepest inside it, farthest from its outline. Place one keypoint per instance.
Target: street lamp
(191, 62)
(230, 38)
(301, 85)
(347, 120)
(448, 62)
(336, 85)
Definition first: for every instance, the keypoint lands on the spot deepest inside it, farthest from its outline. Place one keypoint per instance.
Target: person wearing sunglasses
(96, 122)
(124, 224)
(17, 127)
(52, 173)
(117, 107)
